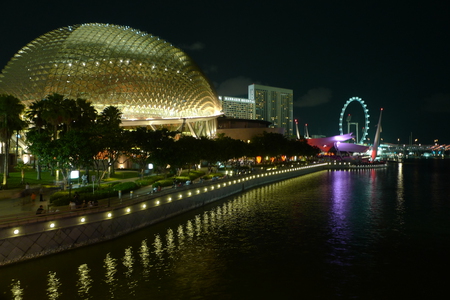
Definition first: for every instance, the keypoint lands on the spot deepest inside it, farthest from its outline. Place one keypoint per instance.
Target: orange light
(258, 159)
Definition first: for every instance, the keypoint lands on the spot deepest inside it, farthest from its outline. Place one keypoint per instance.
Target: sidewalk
(12, 204)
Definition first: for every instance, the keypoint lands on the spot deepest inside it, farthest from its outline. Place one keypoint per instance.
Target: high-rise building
(238, 108)
(274, 105)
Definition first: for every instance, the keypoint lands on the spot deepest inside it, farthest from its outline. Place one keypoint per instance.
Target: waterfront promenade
(26, 235)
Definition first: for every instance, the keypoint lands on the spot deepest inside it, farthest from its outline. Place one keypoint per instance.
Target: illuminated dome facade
(148, 79)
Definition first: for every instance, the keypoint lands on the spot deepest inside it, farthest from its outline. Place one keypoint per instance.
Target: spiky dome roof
(141, 74)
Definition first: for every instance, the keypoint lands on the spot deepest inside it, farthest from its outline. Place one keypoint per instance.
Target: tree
(110, 136)
(22, 167)
(11, 110)
(61, 134)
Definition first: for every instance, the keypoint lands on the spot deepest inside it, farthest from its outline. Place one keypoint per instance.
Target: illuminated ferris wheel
(366, 119)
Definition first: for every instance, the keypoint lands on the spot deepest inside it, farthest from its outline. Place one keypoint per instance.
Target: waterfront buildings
(275, 105)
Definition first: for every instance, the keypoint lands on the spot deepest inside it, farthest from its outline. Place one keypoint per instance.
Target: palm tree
(34, 116)
(11, 110)
(109, 122)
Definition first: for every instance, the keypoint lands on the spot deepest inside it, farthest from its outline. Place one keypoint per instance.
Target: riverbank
(55, 232)
(28, 236)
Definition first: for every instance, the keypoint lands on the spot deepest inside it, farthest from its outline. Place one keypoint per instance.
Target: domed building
(152, 82)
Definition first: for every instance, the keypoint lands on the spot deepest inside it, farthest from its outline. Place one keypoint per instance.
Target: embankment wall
(52, 233)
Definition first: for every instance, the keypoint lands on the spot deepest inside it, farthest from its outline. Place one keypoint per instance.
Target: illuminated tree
(11, 110)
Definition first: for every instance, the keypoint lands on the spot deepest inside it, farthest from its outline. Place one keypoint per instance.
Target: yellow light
(198, 191)
(145, 205)
(16, 231)
(157, 202)
(109, 215)
(82, 220)
(170, 198)
(128, 210)
(52, 225)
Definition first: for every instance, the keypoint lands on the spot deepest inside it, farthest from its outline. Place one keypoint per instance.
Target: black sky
(392, 55)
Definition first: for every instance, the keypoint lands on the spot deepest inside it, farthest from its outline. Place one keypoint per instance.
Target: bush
(181, 178)
(192, 175)
(166, 182)
(148, 181)
(126, 187)
(62, 200)
(209, 176)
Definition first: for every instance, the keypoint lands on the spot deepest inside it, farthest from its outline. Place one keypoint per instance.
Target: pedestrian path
(12, 203)
(17, 203)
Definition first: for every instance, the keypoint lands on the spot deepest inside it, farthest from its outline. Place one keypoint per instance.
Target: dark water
(368, 234)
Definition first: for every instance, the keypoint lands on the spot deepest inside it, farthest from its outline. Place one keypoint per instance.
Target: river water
(366, 234)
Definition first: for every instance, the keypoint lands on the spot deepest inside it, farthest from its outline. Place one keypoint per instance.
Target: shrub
(209, 176)
(148, 181)
(166, 182)
(125, 186)
(181, 178)
(61, 201)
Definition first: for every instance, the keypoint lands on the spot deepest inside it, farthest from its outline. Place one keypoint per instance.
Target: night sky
(393, 54)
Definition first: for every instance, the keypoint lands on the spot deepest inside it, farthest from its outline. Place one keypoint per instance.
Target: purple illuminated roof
(326, 143)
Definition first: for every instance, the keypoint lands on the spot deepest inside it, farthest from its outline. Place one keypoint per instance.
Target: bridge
(402, 151)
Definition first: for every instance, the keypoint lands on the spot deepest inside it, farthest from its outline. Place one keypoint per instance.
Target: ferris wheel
(366, 118)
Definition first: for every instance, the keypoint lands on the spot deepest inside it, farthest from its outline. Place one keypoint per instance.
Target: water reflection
(300, 233)
(128, 262)
(400, 195)
(84, 283)
(16, 290)
(53, 286)
(340, 217)
(110, 266)
(144, 253)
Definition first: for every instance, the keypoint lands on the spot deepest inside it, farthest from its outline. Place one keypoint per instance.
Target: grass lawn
(14, 180)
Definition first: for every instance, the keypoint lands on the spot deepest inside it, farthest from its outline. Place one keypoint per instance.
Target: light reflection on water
(327, 235)
(53, 286)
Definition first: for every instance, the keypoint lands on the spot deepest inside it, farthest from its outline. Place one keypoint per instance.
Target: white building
(274, 105)
(238, 108)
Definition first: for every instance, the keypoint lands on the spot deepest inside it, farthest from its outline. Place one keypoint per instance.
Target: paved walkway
(13, 204)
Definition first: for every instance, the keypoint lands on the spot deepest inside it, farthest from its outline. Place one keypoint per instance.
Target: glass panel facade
(141, 74)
